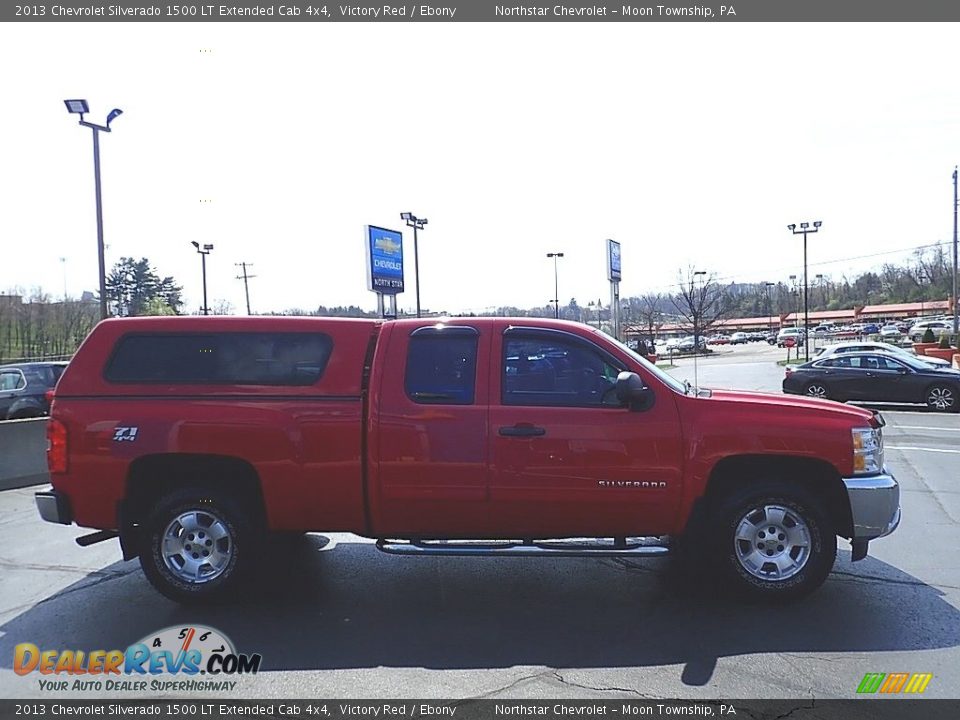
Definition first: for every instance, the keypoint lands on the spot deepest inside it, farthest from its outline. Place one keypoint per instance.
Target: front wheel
(817, 390)
(773, 542)
(197, 545)
(942, 398)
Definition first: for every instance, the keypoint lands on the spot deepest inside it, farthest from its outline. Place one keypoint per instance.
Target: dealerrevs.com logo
(892, 683)
(170, 660)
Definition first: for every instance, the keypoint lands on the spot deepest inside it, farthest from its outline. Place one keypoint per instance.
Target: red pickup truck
(191, 439)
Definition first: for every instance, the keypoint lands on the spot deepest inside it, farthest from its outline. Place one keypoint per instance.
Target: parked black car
(23, 389)
(877, 377)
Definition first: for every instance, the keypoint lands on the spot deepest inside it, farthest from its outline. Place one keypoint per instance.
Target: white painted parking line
(935, 450)
(921, 427)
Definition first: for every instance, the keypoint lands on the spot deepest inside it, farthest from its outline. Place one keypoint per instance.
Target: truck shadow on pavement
(329, 605)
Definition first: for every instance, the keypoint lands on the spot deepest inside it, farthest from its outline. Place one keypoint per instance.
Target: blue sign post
(614, 274)
(384, 266)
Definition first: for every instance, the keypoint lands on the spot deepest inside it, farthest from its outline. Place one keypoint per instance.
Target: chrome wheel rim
(941, 398)
(197, 546)
(772, 543)
(818, 391)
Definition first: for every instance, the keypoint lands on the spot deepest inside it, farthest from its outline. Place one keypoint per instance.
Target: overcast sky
(691, 144)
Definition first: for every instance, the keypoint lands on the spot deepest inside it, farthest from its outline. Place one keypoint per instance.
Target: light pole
(955, 310)
(697, 321)
(793, 291)
(417, 224)
(80, 107)
(921, 278)
(769, 285)
(804, 230)
(203, 263)
(556, 287)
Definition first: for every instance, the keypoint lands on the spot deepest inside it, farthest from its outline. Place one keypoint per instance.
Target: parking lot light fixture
(556, 287)
(81, 108)
(203, 263)
(804, 230)
(417, 224)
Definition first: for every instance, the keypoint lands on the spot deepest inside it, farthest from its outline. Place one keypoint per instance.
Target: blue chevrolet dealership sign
(384, 260)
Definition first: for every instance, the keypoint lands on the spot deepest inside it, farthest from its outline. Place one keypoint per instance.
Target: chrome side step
(569, 547)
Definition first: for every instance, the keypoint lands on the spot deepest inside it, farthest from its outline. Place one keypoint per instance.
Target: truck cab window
(441, 370)
(557, 372)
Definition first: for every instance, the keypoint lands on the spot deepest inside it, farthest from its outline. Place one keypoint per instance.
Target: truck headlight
(867, 451)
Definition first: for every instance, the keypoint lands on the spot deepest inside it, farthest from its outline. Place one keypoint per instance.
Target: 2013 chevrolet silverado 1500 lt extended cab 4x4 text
(193, 438)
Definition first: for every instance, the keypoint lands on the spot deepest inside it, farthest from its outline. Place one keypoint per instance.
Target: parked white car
(891, 332)
(918, 329)
(796, 334)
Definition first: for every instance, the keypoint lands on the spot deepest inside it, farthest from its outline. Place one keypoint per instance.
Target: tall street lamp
(203, 262)
(417, 224)
(921, 278)
(556, 287)
(80, 107)
(804, 230)
(769, 285)
(955, 310)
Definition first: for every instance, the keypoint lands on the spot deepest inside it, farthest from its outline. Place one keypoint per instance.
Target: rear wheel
(197, 545)
(26, 414)
(773, 542)
(817, 390)
(942, 398)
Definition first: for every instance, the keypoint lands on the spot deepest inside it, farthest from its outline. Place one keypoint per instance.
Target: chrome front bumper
(874, 507)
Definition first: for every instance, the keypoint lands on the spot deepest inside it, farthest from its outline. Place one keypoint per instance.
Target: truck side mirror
(632, 393)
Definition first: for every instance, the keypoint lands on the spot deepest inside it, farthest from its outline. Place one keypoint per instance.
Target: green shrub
(944, 341)
(928, 336)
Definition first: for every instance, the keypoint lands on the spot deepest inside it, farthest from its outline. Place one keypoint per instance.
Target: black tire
(28, 414)
(757, 508)
(942, 398)
(817, 390)
(235, 550)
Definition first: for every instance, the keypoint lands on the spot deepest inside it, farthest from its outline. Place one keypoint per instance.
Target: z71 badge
(122, 434)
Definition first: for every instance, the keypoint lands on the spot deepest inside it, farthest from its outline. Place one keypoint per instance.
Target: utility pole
(245, 278)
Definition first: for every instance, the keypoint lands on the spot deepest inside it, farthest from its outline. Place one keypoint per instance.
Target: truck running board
(99, 536)
(571, 547)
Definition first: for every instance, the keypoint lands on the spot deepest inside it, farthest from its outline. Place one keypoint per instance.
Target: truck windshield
(666, 379)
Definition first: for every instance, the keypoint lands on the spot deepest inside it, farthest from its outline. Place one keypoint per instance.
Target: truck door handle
(522, 430)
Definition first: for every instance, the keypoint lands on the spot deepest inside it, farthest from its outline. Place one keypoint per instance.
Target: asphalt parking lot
(335, 618)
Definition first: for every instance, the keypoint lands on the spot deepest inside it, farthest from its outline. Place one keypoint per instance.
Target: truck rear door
(427, 475)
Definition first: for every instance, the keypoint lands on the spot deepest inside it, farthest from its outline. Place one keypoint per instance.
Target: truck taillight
(56, 446)
(48, 396)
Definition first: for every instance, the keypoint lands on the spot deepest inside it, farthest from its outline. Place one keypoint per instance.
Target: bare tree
(700, 303)
(651, 316)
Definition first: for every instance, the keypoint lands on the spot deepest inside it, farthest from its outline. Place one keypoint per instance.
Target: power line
(771, 271)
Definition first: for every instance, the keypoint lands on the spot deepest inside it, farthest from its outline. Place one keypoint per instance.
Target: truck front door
(566, 459)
